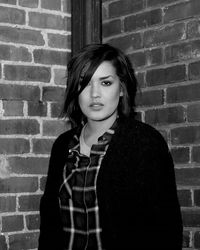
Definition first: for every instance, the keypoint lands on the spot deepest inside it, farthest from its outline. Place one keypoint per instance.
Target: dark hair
(82, 67)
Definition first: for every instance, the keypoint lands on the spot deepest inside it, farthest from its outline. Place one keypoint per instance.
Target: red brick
(28, 3)
(185, 135)
(193, 113)
(28, 165)
(186, 239)
(12, 223)
(127, 43)
(197, 197)
(12, 15)
(7, 204)
(180, 155)
(51, 4)
(197, 239)
(138, 59)
(163, 116)
(191, 218)
(184, 51)
(185, 93)
(196, 154)
(166, 75)
(14, 146)
(154, 57)
(13, 53)
(194, 71)
(123, 7)
(150, 98)
(67, 6)
(53, 94)
(185, 198)
(17, 126)
(47, 21)
(42, 183)
(19, 92)
(60, 76)
(29, 202)
(151, 3)
(59, 41)
(188, 176)
(37, 109)
(19, 185)
(56, 109)
(112, 27)
(193, 29)
(27, 73)
(23, 241)
(3, 245)
(164, 35)
(13, 108)
(17, 35)
(143, 20)
(182, 11)
(42, 146)
(54, 127)
(33, 221)
(140, 79)
(50, 57)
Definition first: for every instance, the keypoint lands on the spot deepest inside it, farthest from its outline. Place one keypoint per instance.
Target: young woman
(111, 182)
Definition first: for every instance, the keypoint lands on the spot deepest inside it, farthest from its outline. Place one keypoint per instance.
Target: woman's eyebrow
(105, 77)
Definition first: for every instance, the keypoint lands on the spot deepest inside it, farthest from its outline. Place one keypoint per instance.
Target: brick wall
(162, 38)
(34, 48)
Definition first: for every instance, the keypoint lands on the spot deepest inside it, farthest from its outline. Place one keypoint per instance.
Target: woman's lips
(96, 105)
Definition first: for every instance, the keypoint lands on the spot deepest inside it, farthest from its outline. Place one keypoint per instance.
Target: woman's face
(100, 98)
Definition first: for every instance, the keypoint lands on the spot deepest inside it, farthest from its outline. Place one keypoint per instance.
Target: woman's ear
(121, 91)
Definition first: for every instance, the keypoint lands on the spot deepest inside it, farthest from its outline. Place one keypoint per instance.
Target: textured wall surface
(162, 38)
(34, 48)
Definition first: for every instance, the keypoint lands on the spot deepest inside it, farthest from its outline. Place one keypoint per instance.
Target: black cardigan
(136, 192)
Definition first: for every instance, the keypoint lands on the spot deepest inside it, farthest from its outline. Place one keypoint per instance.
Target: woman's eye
(106, 83)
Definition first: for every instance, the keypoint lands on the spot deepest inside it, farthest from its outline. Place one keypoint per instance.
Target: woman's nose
(95, 90)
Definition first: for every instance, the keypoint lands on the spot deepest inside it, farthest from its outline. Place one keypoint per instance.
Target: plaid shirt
(78, 199)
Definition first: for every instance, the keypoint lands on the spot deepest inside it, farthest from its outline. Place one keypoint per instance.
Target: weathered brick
(60, 76)
(194, 70)
(7, 204)
(14, 146)
(23, 241)
(28, 165)
(19, 126)
(159, 2)
(180, 155)
(196, 154)
(37, 109)
(28, 3)
(66, 6)
(123, 7)
(127, 43)
(186, 239)
(193, 29)
(29, 202)
(19, 92)
(197, 197)
(13, 108)
(59, 41)
(42, 146)
(138, 59)
(166, 75)
(47, 21)
(43, 183)
(185, 93)
(182, 10)
(183, 51)
(56, 109)
(185, 198)
(191, 218)
(185, 135)
(32, 221)
(17, 35)
(197, 239)
(164, 35)
(193, 112)
(12, 223)
(163, 116)
(53, 94)
(50, 57)
(12, 15)
(13, 53)
(188, 176)
(19, 185)
(112, 27)
(150, 98)
(27, 73)
(54, 127)
(143, 20)
(141, 79)
(3, 245)
(154, 57)
(51, 4)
